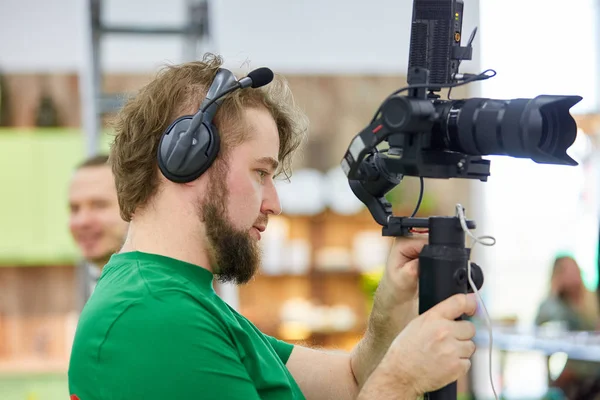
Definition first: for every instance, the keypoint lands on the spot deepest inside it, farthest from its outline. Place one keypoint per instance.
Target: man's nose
(271, 203)
(81, 218)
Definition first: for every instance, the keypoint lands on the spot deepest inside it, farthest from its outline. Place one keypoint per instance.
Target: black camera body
(433, 138)
(435, 41)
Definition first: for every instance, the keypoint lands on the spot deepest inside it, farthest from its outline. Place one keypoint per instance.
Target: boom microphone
(255, 79)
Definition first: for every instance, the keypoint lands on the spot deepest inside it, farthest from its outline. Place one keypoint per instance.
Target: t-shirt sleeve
(181, 352)
(283, 349)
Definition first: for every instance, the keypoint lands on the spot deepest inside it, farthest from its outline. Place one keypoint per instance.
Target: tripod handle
(443, 273)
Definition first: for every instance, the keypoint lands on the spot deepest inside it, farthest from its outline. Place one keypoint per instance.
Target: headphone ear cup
(213, 150)
(182, 155)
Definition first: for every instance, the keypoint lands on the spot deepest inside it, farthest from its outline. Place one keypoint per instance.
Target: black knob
(461, 276)
(461, 279)
(476, 276)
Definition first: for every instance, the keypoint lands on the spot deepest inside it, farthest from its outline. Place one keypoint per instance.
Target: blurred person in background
(569, 301)
(155, 328)
(575, 308)
(94, 220)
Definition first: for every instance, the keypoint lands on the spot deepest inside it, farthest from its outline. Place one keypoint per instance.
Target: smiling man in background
(94, 220)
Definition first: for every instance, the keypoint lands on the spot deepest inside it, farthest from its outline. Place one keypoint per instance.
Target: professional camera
(432, 138)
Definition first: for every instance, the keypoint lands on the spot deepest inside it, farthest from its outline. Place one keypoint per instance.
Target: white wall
(341, 36)
(549, 49)
(536, 211)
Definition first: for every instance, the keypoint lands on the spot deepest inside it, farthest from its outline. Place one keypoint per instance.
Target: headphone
(191, 143)
(189, 146)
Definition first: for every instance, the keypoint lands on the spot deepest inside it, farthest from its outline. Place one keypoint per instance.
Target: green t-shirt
(154, 328)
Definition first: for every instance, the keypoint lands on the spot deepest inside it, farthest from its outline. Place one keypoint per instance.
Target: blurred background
(65, 65)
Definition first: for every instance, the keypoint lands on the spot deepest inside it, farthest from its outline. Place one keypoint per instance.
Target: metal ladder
(95, 103)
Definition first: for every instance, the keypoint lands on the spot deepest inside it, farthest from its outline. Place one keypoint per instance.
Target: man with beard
(155, 329)
(94, 219)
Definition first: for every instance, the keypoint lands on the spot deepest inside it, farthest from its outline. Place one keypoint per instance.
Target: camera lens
(541, 129)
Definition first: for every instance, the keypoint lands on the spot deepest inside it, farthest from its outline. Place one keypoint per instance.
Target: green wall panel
(35, 169)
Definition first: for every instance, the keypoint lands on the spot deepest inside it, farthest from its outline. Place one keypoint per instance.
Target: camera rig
(441, 139)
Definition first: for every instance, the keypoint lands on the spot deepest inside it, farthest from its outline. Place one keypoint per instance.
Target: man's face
(241, 196)
(95, 222)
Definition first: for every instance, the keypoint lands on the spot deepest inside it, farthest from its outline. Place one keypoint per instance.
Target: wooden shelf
(313, 273)
(289, 305)
(33, 366)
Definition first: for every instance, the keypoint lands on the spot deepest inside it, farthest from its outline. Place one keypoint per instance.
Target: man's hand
(400, 282)
(431, 352)
(394, 306)
(396, 298)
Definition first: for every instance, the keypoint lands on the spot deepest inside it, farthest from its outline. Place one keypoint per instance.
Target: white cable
(491, 241)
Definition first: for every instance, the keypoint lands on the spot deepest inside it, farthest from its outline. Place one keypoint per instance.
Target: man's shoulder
(148, 275)
(130, 291)
(112, 319)
(147, 296)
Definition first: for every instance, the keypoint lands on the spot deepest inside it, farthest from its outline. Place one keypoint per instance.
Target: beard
(234, 255)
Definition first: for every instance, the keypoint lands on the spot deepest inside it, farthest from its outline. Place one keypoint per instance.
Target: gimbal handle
(443, 268)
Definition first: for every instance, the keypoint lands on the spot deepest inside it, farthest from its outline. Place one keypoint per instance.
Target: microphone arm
(219, 96)
(197, 120)
(255, 79)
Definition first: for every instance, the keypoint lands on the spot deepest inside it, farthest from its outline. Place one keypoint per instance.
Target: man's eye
(99, 204)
